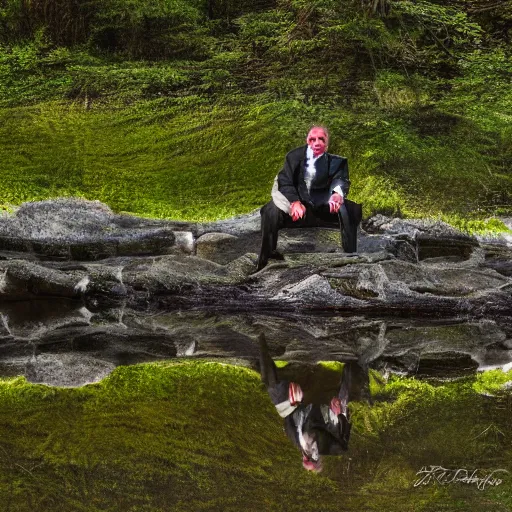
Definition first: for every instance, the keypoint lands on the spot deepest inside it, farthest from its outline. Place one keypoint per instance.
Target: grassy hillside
(185, 110)
(205, 436)
(202, 161)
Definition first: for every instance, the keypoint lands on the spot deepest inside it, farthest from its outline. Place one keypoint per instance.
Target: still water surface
(431, 432)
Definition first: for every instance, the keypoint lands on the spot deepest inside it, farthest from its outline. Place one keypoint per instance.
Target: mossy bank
(186, 109)
(205, 436)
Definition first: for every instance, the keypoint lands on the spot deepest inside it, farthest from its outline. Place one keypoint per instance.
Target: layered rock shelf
(83, 289)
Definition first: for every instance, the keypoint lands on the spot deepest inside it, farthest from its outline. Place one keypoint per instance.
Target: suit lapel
(301, 185)
(302, 165)
(321, 169)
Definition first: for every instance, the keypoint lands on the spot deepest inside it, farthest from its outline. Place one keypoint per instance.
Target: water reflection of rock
(76, 279)
(42, 331)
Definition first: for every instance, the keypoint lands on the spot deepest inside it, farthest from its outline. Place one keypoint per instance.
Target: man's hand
(336, 406)
(297, 210)
(295, 394)
(335, 202)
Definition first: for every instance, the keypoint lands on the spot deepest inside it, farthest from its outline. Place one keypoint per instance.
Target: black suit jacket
(332, 437)
(331, 171)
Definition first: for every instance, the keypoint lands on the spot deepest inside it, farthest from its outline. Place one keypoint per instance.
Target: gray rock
(58, 218)
(76, 229)
(429, 238)
(25, 280)
(411, 227)
(184, 241)
(224, 248)
(237, 226)
(498, 256)
(66, 370)
(32, 319)
(418, 296)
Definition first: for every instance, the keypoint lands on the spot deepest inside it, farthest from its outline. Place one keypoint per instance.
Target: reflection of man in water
(315, 429)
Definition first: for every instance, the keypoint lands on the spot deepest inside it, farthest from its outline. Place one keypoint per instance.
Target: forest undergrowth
(185, 110)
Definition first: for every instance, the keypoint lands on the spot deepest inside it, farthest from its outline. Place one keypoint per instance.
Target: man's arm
(285, 180)
(286, 184)
(340, 182)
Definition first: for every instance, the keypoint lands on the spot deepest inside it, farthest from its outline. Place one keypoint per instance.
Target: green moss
(377, 383)
(196, 159)
(334, 366)
(492, 381)
(489, 226)
(150, 435)
(205, 436)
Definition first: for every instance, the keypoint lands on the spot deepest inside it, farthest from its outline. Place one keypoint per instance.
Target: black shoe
(275, 255)
(262, 263)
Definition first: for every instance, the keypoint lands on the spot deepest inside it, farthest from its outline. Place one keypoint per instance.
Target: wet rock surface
(418, 297)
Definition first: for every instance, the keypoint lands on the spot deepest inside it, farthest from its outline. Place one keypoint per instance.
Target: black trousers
(332, 440)
(273, 219)
(277, 389)
(354, 385)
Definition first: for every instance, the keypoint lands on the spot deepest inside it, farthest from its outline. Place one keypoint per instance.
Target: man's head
(318, 140)
(310, 456)
(311, 465)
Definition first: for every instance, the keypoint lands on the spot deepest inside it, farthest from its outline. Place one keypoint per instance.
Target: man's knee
(269, 209)
(271, 216)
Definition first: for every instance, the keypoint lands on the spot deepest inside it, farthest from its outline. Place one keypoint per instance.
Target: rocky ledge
(83, 290)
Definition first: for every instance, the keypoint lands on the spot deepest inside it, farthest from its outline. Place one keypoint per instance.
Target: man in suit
(315, 429)
(310, 191)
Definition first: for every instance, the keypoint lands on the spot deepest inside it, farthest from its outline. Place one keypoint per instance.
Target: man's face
(317, 141)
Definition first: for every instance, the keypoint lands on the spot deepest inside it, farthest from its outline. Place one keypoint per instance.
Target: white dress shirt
(310, 173)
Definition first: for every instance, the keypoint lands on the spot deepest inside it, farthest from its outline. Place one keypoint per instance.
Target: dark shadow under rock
(498, 256)
(446, 365)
